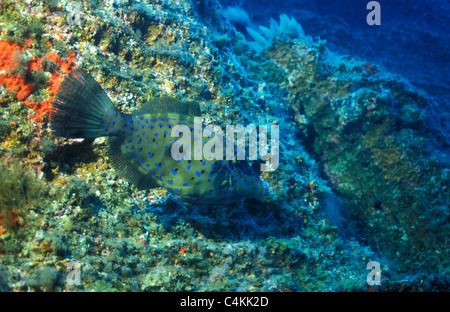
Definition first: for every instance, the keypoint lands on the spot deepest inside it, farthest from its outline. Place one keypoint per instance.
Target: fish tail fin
(82, 108)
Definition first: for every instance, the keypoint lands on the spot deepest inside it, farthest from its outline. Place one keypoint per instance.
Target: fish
(140, 144)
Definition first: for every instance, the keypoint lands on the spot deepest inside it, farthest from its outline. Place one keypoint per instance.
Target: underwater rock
(344, 123)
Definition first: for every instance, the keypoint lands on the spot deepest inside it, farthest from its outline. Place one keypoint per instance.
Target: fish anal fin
(127, 168)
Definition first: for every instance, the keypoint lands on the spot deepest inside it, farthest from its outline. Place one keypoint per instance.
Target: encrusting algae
(19, 191)
(350, 133)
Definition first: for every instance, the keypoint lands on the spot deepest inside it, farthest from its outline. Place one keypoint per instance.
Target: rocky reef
(363, 176)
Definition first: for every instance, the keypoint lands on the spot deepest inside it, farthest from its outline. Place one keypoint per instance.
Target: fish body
(141, 145)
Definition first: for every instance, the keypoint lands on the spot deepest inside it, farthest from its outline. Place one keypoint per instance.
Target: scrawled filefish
(140, 144)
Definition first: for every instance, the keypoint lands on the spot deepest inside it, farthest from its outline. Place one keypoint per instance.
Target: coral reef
(360, 177)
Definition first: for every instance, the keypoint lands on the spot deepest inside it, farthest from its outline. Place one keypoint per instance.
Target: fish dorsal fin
(127, 168)
(169, 105)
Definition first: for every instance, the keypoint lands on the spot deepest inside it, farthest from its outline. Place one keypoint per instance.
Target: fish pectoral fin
(127, 167)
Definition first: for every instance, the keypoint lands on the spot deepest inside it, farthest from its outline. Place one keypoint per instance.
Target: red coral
(17, 83)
